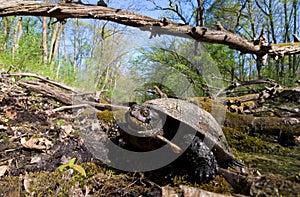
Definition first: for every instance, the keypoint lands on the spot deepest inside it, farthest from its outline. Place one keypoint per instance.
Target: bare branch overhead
(63, 11)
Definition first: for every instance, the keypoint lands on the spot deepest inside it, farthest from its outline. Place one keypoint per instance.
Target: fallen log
(65, 98)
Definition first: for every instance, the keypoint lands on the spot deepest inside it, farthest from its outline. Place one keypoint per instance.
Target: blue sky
(139, 6)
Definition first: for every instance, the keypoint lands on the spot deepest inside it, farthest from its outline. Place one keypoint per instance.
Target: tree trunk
(197, 45)
(16, 37)
(105, 81)
(294, 67)
(56, 44)
(250, 17)
(5, 32)
(45, 39)
(259, 68)
(53, 39)
(271, 18)
(76, 36)
(200, 13)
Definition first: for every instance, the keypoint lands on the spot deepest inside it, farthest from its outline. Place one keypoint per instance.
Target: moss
(111, 116)
(280, 163)
(204, 102)
(103, 101)
(244, 106)
(4, 137)
(287, 44)
(88, 112)
(243, 97)
(56, 183)
(180, 180)
(219, 185)
(10, 186)
(268, 128)
(106, 115)
(294, 177)
(245, 143)
(100, 180)
(240, 122)
(216, 109)
(266, 156)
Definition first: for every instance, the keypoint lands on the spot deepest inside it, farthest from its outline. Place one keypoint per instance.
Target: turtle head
(139, 114)
(141, 118)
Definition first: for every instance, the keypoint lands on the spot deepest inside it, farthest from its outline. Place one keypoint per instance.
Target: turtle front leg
(203, 163)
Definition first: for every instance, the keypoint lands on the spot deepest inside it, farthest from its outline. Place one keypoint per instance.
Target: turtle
(201, 141)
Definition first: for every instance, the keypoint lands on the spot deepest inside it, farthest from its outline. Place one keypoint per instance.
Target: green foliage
(224, 59)
(59, 122)
(225, 12)
(179, 69)
(73, 166)
(176, 73)
(27, 56)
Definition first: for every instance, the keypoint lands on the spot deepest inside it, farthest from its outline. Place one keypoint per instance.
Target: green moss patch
(106, 116)
(245, 143)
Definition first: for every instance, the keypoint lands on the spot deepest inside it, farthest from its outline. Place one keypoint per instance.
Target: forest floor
(38, 145)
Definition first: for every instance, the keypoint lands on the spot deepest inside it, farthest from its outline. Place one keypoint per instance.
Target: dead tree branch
(245, 83)
(60, 85)
(62, 11)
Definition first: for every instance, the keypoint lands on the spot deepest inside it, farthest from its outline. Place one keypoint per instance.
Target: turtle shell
(200, 121)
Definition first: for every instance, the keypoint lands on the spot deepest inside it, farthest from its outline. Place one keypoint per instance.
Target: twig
(174, 147)
(74, 107)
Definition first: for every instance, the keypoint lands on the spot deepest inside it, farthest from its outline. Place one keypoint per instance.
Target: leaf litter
(36, 137)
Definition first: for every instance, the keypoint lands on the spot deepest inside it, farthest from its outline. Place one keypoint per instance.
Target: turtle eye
(145, 113)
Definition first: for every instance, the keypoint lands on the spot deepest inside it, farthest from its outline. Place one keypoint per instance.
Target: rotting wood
(188, 191)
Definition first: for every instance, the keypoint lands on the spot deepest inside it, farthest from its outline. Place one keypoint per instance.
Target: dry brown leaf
(36, 143)
(35, 159)
(3, 169)
(67, 130)
(10, 114)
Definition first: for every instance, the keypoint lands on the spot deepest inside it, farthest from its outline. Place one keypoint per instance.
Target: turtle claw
(236, 163)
